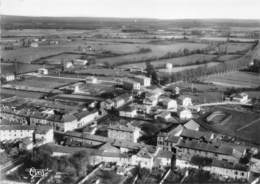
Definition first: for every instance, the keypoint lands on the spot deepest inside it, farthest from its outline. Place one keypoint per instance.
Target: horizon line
(114, 17)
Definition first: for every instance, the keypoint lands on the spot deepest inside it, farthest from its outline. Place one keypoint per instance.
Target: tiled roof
(207, 147)
(196, 134)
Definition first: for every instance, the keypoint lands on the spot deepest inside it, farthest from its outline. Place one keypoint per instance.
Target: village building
(92, 80)
(163, 158)
(128, 111)
(143, 158)
(168, 103)
(110, 154)
(241, 97)
(185, 114)
(34, 44)
(122, 132)
(81, 62)
(220, 168)
(169, 66)
(186, 101)
(45, 134)
(143, 80)
(131, 84)
(12, 132)
(108, 104)
(164, 115)
(7, 77)
(192, 125)
(121, 100)
(186, 149)
(43, 71)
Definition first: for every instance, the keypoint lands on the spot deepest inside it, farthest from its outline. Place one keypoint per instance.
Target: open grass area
(191, 59)
(181, 68)
(43, 82)
(235, 79)
(157, 51)
(243, 124)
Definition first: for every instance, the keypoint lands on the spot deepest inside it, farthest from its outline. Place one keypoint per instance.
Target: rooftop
(196, 134)
(16, 127)
(207, 147)
(120, 127)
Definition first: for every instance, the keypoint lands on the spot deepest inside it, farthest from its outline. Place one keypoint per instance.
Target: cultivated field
(42, 82)
(181, 68)
(235, 79)
(157, 51)
(192, 59)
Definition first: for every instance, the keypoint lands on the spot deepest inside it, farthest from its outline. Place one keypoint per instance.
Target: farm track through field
(248, 125)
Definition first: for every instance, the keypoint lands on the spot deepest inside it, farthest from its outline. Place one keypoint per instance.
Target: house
(143, 80)
(124, 132)
(185, 114)
(12, 132)
(8, 77)
(151, 101)
(241, 97)
(108, 104)
(68, 64)
(110, 154)
(168, 103)
(192, 125)
(81, 62)
(128, 111)
(43, 71)
(131, 84)
(143, 158)
(168, 140)
(164, 158)
(92, 80)
(141, 108)
(220, 168)
(186, 149)
(229, 170)
(121, 100)
(169, 66)
(196, 135)
(165, 115)
(34, 44)
(186, 102)
(44, 133)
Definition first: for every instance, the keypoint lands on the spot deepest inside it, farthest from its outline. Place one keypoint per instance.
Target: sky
(161, 9)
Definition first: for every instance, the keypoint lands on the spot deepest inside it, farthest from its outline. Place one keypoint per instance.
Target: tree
(150, 72)
(80, 161)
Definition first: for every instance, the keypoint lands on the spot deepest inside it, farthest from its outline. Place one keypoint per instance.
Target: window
(242, 174)
(235, 172)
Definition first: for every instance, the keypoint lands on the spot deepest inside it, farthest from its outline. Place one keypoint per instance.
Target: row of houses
(188, 143)
(43, 134)
(117, 102)
(41, 112)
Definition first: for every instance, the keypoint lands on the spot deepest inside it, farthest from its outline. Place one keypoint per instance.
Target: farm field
(236, 47)
(191, 59)
(20, 67)
(228, 57)
(157, 51)
(235, 79)
(26, 55)
(200, 93)
(181, 68)
(42, 82)
(21, 93)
